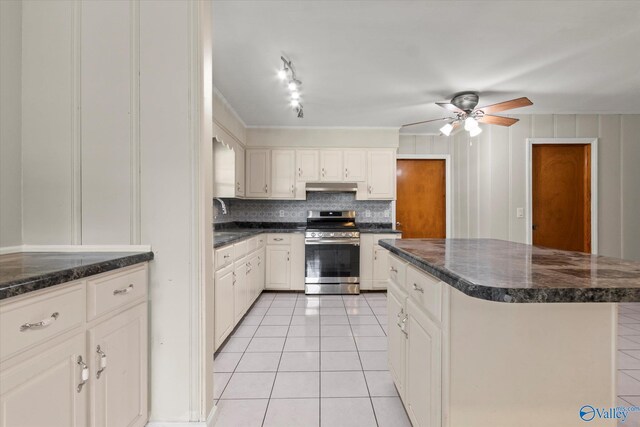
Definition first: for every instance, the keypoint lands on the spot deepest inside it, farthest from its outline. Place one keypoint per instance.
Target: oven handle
(351, 242)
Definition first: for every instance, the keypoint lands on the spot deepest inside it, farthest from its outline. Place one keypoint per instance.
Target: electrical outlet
(386, 214)
(519, 212)
(367, 213)
(281, 213)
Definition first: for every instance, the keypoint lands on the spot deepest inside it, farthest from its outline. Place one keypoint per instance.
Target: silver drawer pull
(123, 291)
(417, 288)
(393, 269)
(278, 239)
(84, 374)
(41, 324)
(103, 361)
(226, 256)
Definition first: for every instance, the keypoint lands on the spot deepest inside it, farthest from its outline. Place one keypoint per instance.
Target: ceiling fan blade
(426, 121)
(506, 105)
(450, 107)
(498, 120)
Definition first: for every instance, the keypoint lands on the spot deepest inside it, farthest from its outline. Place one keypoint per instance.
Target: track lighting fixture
(288, 75)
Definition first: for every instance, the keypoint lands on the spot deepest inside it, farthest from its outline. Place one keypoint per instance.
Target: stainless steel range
(332, 253)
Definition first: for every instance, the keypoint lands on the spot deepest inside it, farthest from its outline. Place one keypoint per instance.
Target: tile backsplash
(239, 210)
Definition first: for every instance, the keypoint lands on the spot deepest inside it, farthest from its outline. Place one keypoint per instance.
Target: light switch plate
(519, 212)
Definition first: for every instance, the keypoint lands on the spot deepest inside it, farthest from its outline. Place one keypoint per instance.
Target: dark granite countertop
(502, 271)
(24, 272)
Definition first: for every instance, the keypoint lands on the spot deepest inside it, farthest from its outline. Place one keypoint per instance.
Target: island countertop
(24, 272)
(502, 271)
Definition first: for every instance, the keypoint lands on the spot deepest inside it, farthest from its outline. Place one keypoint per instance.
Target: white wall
(322, 137)
(116, 147)
(489, 176)
(10, 123)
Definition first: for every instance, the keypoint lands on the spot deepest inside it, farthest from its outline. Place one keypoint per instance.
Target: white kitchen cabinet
(374, 261)
(41, 390)
(355, 165)
(240, 291)
(424, 368)
(381, 177)
(224, 307)
(258, 167)
(118, 362)
(396, 311)
(331, 166)
(307, 165)
(283, 180)
(240, 170)
(278, 272)
(297, 261)
(380, 267)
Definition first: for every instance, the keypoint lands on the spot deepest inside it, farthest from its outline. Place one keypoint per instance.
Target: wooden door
(561, 196)
(421, 209)
(119, 392)
(42, 390)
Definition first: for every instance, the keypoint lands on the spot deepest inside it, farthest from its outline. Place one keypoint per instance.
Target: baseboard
(74, 248)
(209, 423)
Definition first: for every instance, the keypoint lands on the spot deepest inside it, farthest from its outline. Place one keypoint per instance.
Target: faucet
(223, 205)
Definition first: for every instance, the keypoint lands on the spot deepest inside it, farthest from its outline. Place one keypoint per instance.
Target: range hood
(332, 187)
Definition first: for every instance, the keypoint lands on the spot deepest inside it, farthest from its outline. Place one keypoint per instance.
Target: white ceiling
(384, 63)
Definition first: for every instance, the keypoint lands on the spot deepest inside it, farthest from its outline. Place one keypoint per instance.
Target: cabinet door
(224, 310)
(381, 183)
(239, 290)
(118, 361)
(355, 166)
(41, 390)
(278, 267)
(258, 168)
(283, 174)
(366, 261)
(297, 261)
(331, 166)
(262, 268)
(396, 312)
(424, 368)
(380, 267)
(307, 164)
(240, 172)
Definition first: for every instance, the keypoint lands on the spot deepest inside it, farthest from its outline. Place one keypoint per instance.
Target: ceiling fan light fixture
(475, 131)
(470, 123)
(446, 129)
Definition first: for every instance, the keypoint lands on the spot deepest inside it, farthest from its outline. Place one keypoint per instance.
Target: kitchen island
(486, 332)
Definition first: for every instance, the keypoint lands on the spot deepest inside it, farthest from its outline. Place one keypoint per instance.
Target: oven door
(332, 260)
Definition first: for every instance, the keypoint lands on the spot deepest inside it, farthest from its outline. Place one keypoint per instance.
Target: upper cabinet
(283, 180)
(229, 168)
(240, 173)
(258, 164)
(331, 166)
(381, 182)
(307, 165)
(355, 165)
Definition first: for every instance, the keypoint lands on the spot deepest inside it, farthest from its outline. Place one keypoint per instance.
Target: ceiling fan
(463, 105)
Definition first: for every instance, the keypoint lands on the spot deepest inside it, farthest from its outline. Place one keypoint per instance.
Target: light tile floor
(298, 360)
(629, 360)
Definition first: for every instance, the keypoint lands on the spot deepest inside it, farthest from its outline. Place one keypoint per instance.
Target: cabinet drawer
(114, 290)
(223, 256)
(34, 320)
(397, 271)
(240, 250)
(278, 239)
(252, 244)
(426, 290)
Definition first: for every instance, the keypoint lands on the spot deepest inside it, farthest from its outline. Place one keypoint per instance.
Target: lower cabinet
(240, 289)
(374, 261)
(224, 307)
(92, 374)
(118, 387)
(42, 390)
(285, 261)
(278, 267)
(397, 317)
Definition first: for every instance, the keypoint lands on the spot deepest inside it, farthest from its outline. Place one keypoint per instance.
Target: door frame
(593, 142)
(448, 186)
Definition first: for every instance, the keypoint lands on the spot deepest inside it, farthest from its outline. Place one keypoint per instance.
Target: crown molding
(224, 100)
(325, 127)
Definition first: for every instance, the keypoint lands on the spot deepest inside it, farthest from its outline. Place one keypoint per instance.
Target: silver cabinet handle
(323, 172)
(288, 256)
(393, 269)
(346, 173)
(299, 172)
(238, 186)
(266, 188)
(417, 288)
(259, 261)
(102, 363)
(41, 324)
(123, 291)
(84, 374)
(370, 189)
(226, 256)
(278, 239)
(234, 277)
(401, 325)
(293, 188)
